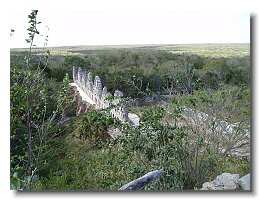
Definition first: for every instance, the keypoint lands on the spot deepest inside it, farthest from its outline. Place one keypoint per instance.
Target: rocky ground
(227, 181)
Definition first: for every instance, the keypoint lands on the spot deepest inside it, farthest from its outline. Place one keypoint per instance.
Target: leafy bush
(83, 164)
(94, 126)
(76, 61)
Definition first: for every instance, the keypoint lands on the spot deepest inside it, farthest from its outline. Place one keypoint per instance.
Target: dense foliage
(91, 164)
(135, 70)
(35, 112)
(80, 154)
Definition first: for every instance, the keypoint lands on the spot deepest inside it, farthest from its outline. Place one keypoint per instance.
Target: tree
(178, 77)
(30, 118)
(221, 120)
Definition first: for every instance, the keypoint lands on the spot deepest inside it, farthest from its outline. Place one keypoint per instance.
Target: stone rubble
(227, 181)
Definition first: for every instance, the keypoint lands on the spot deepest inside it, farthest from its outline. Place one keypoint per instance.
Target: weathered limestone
(74, 73)
(98, 94)
(244, 182)
(227, 181)
(80, 103)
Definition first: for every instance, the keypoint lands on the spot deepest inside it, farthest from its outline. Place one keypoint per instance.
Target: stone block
(225, 181)
(244, 182)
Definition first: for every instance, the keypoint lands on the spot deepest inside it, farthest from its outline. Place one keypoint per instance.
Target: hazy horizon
(95, 28)
(144, 45)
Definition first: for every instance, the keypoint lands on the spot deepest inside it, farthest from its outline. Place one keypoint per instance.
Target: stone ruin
(99, 94)
(227, 181)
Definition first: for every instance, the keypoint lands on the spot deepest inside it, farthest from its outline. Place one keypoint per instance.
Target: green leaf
(15, 183)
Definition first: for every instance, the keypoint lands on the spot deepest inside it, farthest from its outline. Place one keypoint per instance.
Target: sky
(70, 27)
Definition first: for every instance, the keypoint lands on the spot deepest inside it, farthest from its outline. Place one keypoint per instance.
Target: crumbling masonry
(99, 94)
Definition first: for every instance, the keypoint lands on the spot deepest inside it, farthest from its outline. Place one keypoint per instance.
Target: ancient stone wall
(98, 94)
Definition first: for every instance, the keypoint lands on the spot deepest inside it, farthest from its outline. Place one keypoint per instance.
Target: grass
(205, 50)
(212, 50)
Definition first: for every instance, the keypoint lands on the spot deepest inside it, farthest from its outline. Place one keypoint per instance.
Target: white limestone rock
(228, 181)
(134, 118)
(208, 186)
(244, 182)
(225, 181)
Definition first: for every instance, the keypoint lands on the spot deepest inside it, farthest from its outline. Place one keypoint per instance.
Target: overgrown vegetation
(197, 95)
(90, 163)
(35, 112)
(159, 70)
